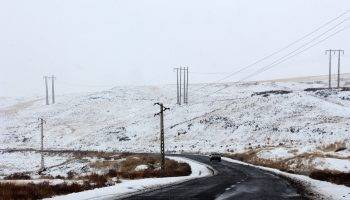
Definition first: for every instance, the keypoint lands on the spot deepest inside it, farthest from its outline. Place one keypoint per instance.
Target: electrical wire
(263, 69)
(276, 52)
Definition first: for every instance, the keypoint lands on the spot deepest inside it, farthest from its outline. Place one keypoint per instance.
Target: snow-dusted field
(58, 165)
(26, 162)
(277, 126)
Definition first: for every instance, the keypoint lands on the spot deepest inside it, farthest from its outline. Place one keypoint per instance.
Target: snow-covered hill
(236, 119)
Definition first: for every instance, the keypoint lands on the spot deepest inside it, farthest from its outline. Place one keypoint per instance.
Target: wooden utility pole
(46, 90)
(53, 88)
(41, 125)
(330, 68)
(161, 114)
(177, 86)
(184, 84)
(339, 52)
(180, 88)
(182, 78)
(330, 51)
(187, 85)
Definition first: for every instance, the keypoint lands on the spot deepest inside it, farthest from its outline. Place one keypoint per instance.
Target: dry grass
(252, 158)
(299, 166)
(172, 168)
(334, 177)
(96, 179)
(333, 147)
(44, 190)
(18, 176)
(131, 162)
(11, 191)
(105, 164)
(124, 169)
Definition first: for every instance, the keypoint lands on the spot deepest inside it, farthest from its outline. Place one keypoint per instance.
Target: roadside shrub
(59, 177)
(131, 162)
(71, 174)
(334, 177)
(46, 177)
(11, 191)
(18, 176)
(96, 179)
(112, 173)
(172, 168)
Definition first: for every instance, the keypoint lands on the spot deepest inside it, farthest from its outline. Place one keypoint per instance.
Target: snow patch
(141, 168)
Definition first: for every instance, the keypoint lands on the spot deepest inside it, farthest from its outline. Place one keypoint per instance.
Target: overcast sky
(90, 43)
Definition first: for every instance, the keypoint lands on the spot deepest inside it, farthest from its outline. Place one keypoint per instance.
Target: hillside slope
(237, 119)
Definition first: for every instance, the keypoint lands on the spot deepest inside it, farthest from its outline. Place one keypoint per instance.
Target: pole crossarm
(164, 108)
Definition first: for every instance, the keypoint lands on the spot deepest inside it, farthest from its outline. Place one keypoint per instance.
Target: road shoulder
(314, 188)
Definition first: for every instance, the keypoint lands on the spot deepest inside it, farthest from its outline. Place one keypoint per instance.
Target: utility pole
(161, 114)
(177, 86)
(330, 51)
(180, 88)
(46, 90)
(186, 85)
(41, 125)
(182, 78)
(53, 88)
(339, 52)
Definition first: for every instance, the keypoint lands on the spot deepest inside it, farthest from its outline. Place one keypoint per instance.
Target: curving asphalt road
(233, 181)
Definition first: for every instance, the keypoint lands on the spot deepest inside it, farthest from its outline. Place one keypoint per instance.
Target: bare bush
(18, 176)
(172, 168)
(96, 179)
(10, 191)
(334, 177)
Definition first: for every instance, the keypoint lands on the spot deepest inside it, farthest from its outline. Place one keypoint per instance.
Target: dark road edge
(304, 192)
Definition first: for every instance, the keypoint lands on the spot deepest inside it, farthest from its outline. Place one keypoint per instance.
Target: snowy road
(233, 181)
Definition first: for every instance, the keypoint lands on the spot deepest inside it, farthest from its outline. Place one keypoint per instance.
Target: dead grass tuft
(96, 179)
(333, 147)
(299, 166)
(104, 164)
(252, 158)
(172, 168)
(334, 177)
(18, 176)
(11, 191)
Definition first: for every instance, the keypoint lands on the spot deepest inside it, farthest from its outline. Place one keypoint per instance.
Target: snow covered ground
(322, 189)
(127, 187)
(236, 119)
(56, 164)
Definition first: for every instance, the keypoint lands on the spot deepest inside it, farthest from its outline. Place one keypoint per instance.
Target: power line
(274, 64)
(278, 51)
(85, 85)
(261, 70)
(253, 74)
(209, 73)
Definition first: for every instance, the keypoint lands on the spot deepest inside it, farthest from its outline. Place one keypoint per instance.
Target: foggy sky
(96, 44)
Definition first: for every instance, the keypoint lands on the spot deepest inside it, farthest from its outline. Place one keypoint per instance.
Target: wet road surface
(233, 181)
